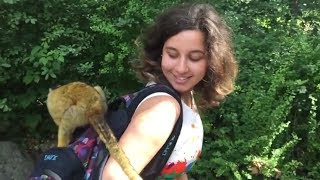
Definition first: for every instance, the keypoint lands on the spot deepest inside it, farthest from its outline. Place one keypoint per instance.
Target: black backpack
(86, 156)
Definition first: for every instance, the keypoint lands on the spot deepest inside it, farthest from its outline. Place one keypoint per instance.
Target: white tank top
(189, 144)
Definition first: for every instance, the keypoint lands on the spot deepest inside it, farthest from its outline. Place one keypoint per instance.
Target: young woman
(188, 48)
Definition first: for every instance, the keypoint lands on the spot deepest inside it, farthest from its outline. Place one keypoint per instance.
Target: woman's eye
(172, 54)
(196, 57)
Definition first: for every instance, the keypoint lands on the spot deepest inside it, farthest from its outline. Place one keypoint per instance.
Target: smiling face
(184, 61)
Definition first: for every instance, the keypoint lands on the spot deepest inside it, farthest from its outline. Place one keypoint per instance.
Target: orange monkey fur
(77, 104)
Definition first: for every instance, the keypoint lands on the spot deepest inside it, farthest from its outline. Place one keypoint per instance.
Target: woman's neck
(187, 99)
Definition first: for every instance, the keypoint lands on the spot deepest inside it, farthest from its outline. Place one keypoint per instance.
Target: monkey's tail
(107, 136)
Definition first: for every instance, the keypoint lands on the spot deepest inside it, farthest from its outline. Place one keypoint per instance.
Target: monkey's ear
(101, 92)
(53, 88)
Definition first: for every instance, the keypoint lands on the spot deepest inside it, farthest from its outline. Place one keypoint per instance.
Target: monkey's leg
(64, 136)
(72, 118)
(106, 135)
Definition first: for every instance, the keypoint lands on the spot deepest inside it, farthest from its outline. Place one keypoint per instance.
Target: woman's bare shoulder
(161, 102)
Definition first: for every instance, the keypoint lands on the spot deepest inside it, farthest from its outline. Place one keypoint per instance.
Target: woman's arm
(148, 130)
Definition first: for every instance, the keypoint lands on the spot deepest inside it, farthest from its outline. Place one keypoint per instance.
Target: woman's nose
(182, 66)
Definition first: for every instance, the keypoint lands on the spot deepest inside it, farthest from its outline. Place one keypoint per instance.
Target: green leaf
(45, 70)
(43, 60)
(56, 65)
(4, 106)
(5, 65)
(31, 121)
(28, 78)
(45, 45)
(9, 1)
(36, 79)
(33, 21)
(61, 58)
(35, 50)
(25, 100)
(53, 75)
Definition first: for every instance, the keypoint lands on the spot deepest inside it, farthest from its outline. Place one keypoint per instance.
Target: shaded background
(267, 127)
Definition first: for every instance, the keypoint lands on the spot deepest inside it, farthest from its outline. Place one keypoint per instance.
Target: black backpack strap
(154, 167)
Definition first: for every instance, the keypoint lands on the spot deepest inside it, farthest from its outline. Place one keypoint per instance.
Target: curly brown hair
(222, 70)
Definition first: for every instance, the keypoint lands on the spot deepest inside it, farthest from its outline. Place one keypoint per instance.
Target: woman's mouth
(181, 80)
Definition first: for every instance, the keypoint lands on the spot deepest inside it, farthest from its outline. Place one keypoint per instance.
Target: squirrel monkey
(77, 104)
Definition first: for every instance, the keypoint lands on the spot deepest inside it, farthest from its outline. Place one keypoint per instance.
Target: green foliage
(269, 124)
(55, 42)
